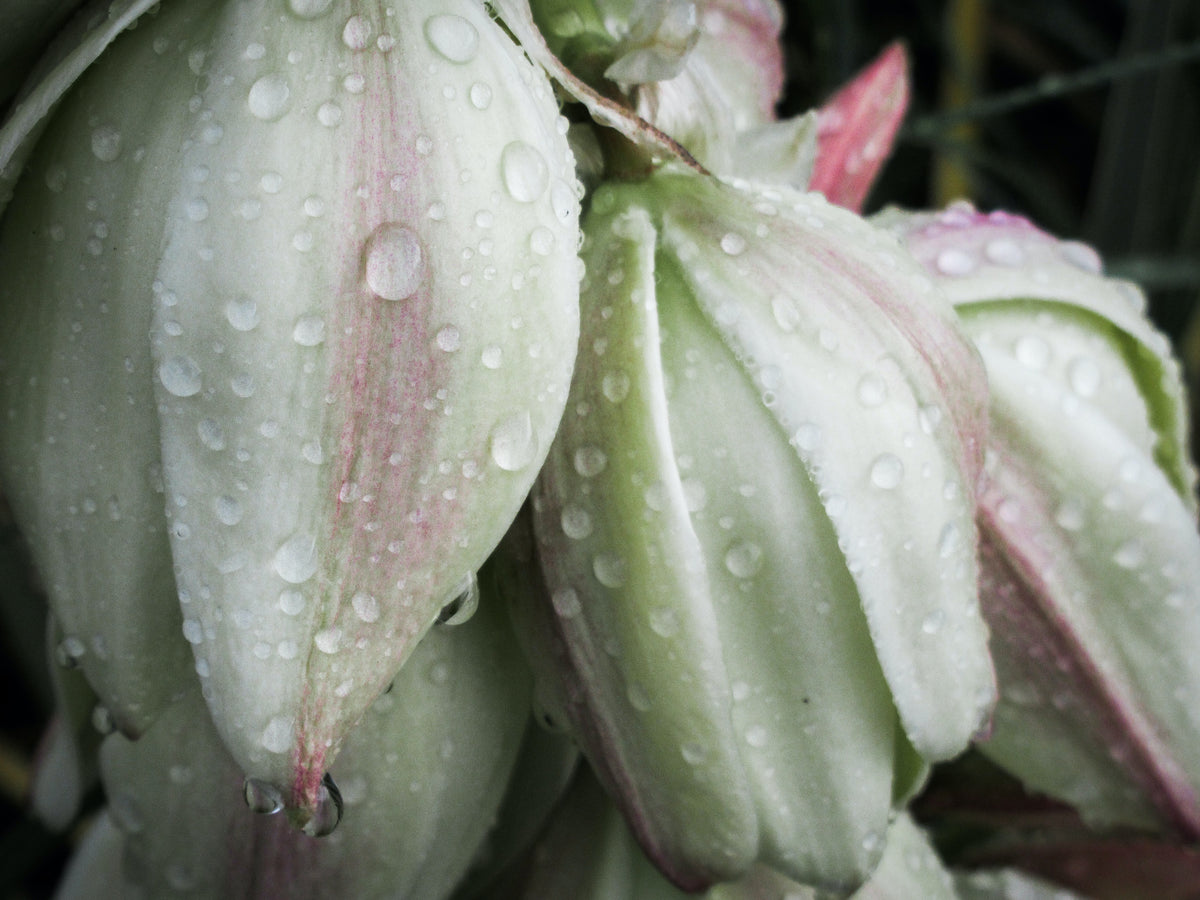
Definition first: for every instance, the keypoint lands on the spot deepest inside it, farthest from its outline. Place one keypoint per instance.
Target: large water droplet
(296, 559)
(576, 523)
(242, 313)
(366, 607)
(180, 376)
(887, 471)
(744, 559)
(262, 797)
(309, 331)
(615, 386)
(464, 601)
(228, 509)
(609, 569)
(453, 37)
(328, 814)
(357, 33)
(269, 97)
(566, 603)
(394, 264)
(524, 171)
(514, 443)
(106, 143)
(590, 461)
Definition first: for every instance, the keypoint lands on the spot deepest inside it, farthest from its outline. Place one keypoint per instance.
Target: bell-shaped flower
(1090, 551)
(351, 237)
(420, 778)
(756, 533)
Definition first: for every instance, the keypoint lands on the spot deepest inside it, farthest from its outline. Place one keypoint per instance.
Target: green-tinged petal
(96, 870)
(864, 371)
(79, 449)
(730, 644)
(359, 276)
(25, 27)
(1091, 554)
(1008, 884)
(87, 36)
(420, 779)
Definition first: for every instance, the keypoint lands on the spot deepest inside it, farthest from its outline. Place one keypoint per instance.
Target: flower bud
(1091, 556)
(755, 529)
(351, 237)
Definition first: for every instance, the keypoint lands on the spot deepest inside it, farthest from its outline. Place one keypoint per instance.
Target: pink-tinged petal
(1091, 553)
(857, 126)
(419, 780)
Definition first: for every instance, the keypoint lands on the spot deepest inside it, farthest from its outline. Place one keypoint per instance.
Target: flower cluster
(486, 443)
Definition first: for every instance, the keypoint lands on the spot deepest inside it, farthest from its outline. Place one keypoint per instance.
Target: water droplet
(296, 559)
(1070, 515)
(566, 602)
(1130, 555)
(1033, 351)
(269, 97)
(328, 814)
(464, 600)
(366, 607)
(481, 95)
(180, 376)
(453, 37)
(106, 143)
(807, 436)
(664, 621)
(733, 244)
(277, 736)
(514, 443)
(228, 510)
(69, 652)
(211, 434)
(609, 569)
(242, 313)
(576, 523)
(615, 386)
(949, 540)
(448, 339)
(590, 461)
(1004, 252)
(262, 797)
(757, 736)
(693, 753)
(328, 640)
(394, 265)
(887, 471)
(357, 33)
(329, 114)
(930, 417)
(563, 200)
(787, 314)
(1081, 256)
(491, 357)
(933, 622)
(541, 241)
(524, 171)
(953, 261)
(872, 390)
(309, 331)
(743, 559)
(309, 9)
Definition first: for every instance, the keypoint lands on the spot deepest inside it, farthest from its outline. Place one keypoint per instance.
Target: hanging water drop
(328, 814)
(464, 601)
(296, 559)
(262, 797)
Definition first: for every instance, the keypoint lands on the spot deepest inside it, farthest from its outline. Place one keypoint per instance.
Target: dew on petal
(524, 171)
(453, 37)
(394, 264)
